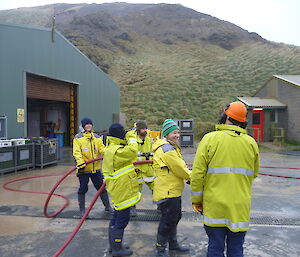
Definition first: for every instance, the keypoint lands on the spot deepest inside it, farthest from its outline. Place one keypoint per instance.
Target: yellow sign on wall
(20, 115)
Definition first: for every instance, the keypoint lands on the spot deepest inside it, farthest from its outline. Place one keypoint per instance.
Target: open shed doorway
(51, 108)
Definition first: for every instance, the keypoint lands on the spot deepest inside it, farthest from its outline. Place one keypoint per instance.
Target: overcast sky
(275, 20)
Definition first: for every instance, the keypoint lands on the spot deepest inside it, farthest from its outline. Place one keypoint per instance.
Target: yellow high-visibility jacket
(145, 171)
(226, 162)
(87, 146)
(119, 172)
(170, 170)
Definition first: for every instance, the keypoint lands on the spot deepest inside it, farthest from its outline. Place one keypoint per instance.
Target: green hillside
(188, 70)
(190, 81)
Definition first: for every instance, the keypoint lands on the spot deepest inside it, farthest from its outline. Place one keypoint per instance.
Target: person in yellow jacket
(226, 162)
(87, 146)
(145, 171)
(171, 171)
(121, 183)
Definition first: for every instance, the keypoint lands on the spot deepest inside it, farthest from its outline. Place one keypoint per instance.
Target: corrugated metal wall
(25, 49)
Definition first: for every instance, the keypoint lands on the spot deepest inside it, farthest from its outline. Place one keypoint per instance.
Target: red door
(258, 124)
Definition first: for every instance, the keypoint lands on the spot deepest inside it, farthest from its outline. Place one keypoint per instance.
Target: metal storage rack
(46, 151)
(7, 160)
(24, 156)
(3, 127)
(187, 139)
(186, 132)
(17, 157)
(186, 125)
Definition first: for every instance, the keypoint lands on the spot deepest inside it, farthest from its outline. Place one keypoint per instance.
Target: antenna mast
(53, 22)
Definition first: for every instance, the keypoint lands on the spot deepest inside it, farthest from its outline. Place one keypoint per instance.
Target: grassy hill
(170, 61)
(188, 81)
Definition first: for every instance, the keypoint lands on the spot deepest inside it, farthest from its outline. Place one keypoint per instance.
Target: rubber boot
(116, 238)
(161, 246)
(81, 202)
(133, 212)
(105, 201)
(173, 243)
(109, 240)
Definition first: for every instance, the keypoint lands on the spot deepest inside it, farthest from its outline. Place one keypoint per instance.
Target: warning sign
(20, 115)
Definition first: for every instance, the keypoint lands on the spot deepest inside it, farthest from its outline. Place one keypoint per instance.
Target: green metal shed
(43, 75)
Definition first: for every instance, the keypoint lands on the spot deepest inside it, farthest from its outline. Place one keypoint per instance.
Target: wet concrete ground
(24, 232)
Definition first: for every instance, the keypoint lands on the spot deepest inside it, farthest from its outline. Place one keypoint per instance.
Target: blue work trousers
(120, 219)
(97, 179)
(217, 236)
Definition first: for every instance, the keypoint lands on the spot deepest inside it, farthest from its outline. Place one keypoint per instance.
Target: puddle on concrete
(41, 236)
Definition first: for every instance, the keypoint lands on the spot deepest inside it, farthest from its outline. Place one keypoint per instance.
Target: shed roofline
(24, 26)
(286, 80)
(87, 58)
(277, 77)
(63, 37)
(262, 86)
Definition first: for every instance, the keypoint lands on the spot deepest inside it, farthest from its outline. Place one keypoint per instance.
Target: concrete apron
(275, 229)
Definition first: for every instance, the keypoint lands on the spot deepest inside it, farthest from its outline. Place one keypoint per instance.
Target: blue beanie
(86, 121)
(117, 130)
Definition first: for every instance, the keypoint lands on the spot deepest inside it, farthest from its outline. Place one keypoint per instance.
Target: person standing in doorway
(87, 146)
(226, 162)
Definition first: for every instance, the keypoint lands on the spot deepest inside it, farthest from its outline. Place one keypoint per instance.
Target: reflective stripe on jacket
(119, 173)
(170, 170)
(225, 165)
(145, 171)
(88, 146)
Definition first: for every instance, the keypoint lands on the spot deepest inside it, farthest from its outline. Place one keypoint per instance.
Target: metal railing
(277, 134)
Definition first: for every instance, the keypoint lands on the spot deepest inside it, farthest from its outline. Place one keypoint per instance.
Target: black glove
(147, 155)
(80, 167)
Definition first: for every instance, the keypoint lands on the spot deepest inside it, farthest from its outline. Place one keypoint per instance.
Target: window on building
(256, 118)
(273, 116)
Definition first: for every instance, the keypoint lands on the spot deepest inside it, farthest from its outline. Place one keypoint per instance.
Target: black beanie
(86, 121)
(117, 130)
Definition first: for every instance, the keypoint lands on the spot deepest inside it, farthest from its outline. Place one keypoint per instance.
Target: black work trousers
(170, 216)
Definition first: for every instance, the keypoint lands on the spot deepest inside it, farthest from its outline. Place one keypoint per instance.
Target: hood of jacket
(158, 143)
(232, 130)
(88, 134)
(115, 141)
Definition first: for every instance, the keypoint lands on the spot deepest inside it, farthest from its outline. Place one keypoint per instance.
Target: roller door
(39, 87)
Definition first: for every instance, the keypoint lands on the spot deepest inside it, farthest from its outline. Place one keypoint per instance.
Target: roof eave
(286, 80)
(268, 107)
